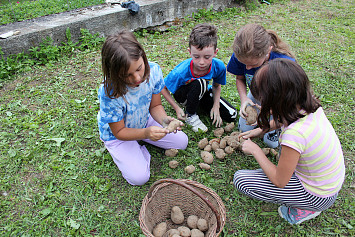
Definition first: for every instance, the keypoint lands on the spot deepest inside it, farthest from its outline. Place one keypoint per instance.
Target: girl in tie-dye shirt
(131, 108)
(310, 170)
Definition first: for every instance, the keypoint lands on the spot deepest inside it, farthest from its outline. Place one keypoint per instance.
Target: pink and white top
(320, 168)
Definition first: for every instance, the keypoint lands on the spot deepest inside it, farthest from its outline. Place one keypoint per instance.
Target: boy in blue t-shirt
(189, 82)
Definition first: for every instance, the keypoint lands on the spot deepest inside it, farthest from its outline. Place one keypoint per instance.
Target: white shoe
(196, 123)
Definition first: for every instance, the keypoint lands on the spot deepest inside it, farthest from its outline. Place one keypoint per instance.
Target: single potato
(160, 229)
(176, 215)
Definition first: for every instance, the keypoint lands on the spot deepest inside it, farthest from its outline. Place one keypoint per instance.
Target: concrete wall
(101, 19)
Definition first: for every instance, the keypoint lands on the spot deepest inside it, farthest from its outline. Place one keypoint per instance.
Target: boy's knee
(242, 126)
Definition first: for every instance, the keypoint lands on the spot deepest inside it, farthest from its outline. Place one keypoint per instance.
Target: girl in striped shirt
(310, 171)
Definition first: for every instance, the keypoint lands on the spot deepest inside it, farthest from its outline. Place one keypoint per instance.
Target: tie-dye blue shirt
(135, 110)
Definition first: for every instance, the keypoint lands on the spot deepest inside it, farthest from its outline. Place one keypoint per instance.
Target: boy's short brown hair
(203, 35)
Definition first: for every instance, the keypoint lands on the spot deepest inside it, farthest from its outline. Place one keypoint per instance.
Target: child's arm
(257, 132)
(215, 114)
(123, 133)
(153, 133)
(157, 111)
(279, 175)
(179, 111)
(242, 91)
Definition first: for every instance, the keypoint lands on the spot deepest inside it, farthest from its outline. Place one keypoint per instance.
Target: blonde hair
(254, 41)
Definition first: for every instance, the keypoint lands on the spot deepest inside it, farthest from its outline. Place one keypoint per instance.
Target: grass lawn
(57, 179)
(19, 10)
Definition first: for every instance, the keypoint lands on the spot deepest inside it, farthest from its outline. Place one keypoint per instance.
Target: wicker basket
(192, 197)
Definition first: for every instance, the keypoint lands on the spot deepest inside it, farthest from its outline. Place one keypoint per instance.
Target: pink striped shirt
(320, 168)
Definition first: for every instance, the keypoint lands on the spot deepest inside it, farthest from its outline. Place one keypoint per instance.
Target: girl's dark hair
(203, 35)
(283, 89)
(117, 54)
(254, 41)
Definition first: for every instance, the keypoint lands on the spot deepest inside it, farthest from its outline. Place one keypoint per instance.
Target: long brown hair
(117, 54)
(254, 41)
(283, 89)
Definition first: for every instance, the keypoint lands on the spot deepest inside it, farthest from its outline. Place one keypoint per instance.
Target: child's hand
(248, 147)
(168, 119)
(257, 132)
(242, 112)
(216, 117)
(155, 133)
(180, 114)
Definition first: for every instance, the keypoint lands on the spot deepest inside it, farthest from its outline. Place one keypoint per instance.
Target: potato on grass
(229, 150)
(208, 148)
(214, 140)
(160, 229)
(220, 154)
(266, 151)
(204, 166)
(273, 152)
(235, 134)
(173, 164)
(203, 143)
(171, 152)
(229, 127)
(223, 142)
(218, 132)
(215, 146)
(207, 157)
(176, 215)
(190, 169)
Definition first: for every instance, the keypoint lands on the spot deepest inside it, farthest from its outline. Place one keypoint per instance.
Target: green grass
(56, 178)
(13, 11)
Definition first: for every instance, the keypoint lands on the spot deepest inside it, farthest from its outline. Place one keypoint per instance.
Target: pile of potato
(195, 226)
(221, 146)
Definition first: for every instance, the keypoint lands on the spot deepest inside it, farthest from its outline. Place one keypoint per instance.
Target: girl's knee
(241, 180)
(138, 179)
(238, 178)
(181, 140)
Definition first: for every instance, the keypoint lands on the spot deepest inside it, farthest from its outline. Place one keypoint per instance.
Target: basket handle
(208, 202)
